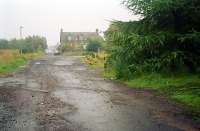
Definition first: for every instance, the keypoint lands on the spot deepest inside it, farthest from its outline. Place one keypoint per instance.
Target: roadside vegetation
(14, 54)
(95, 44)
(28, 45)
(160, 51)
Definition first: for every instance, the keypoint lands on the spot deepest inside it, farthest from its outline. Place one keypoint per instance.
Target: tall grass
(6, 56)
(12, 60)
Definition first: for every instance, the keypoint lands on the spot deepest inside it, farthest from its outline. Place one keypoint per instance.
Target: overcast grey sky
(47, 17)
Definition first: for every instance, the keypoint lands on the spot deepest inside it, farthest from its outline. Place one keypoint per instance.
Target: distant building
(76, 38)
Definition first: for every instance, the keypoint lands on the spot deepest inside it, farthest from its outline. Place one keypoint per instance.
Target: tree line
(27, 45)
(166, 38)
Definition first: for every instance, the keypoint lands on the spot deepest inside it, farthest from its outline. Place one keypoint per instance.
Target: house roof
(76, 36)
(79, 33)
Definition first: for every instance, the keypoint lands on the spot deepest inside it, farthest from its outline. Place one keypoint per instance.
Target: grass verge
(11, 61)
(12, 66)
(184, 88)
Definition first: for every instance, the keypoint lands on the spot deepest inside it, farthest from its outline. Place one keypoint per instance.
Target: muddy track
(60, 94)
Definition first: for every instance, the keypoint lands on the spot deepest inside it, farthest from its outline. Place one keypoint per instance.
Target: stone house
(74, 39)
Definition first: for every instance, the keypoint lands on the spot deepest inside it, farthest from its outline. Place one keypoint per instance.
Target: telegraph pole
(21, 35)
(20, 31)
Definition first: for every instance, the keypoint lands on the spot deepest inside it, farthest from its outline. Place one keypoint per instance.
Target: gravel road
(56, 93)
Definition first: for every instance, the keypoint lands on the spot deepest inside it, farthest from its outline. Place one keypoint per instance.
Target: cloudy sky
(47, 17)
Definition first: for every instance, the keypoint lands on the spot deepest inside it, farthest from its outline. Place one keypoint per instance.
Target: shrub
(94, 44)
(164, 40)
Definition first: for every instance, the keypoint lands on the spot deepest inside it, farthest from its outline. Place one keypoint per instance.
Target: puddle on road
(37, 63)
(63, 63)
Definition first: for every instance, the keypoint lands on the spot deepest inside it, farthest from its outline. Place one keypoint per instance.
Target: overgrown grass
(157, 81)
(12, 60)
(182, 88)
(96, 60)
(12, 66)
